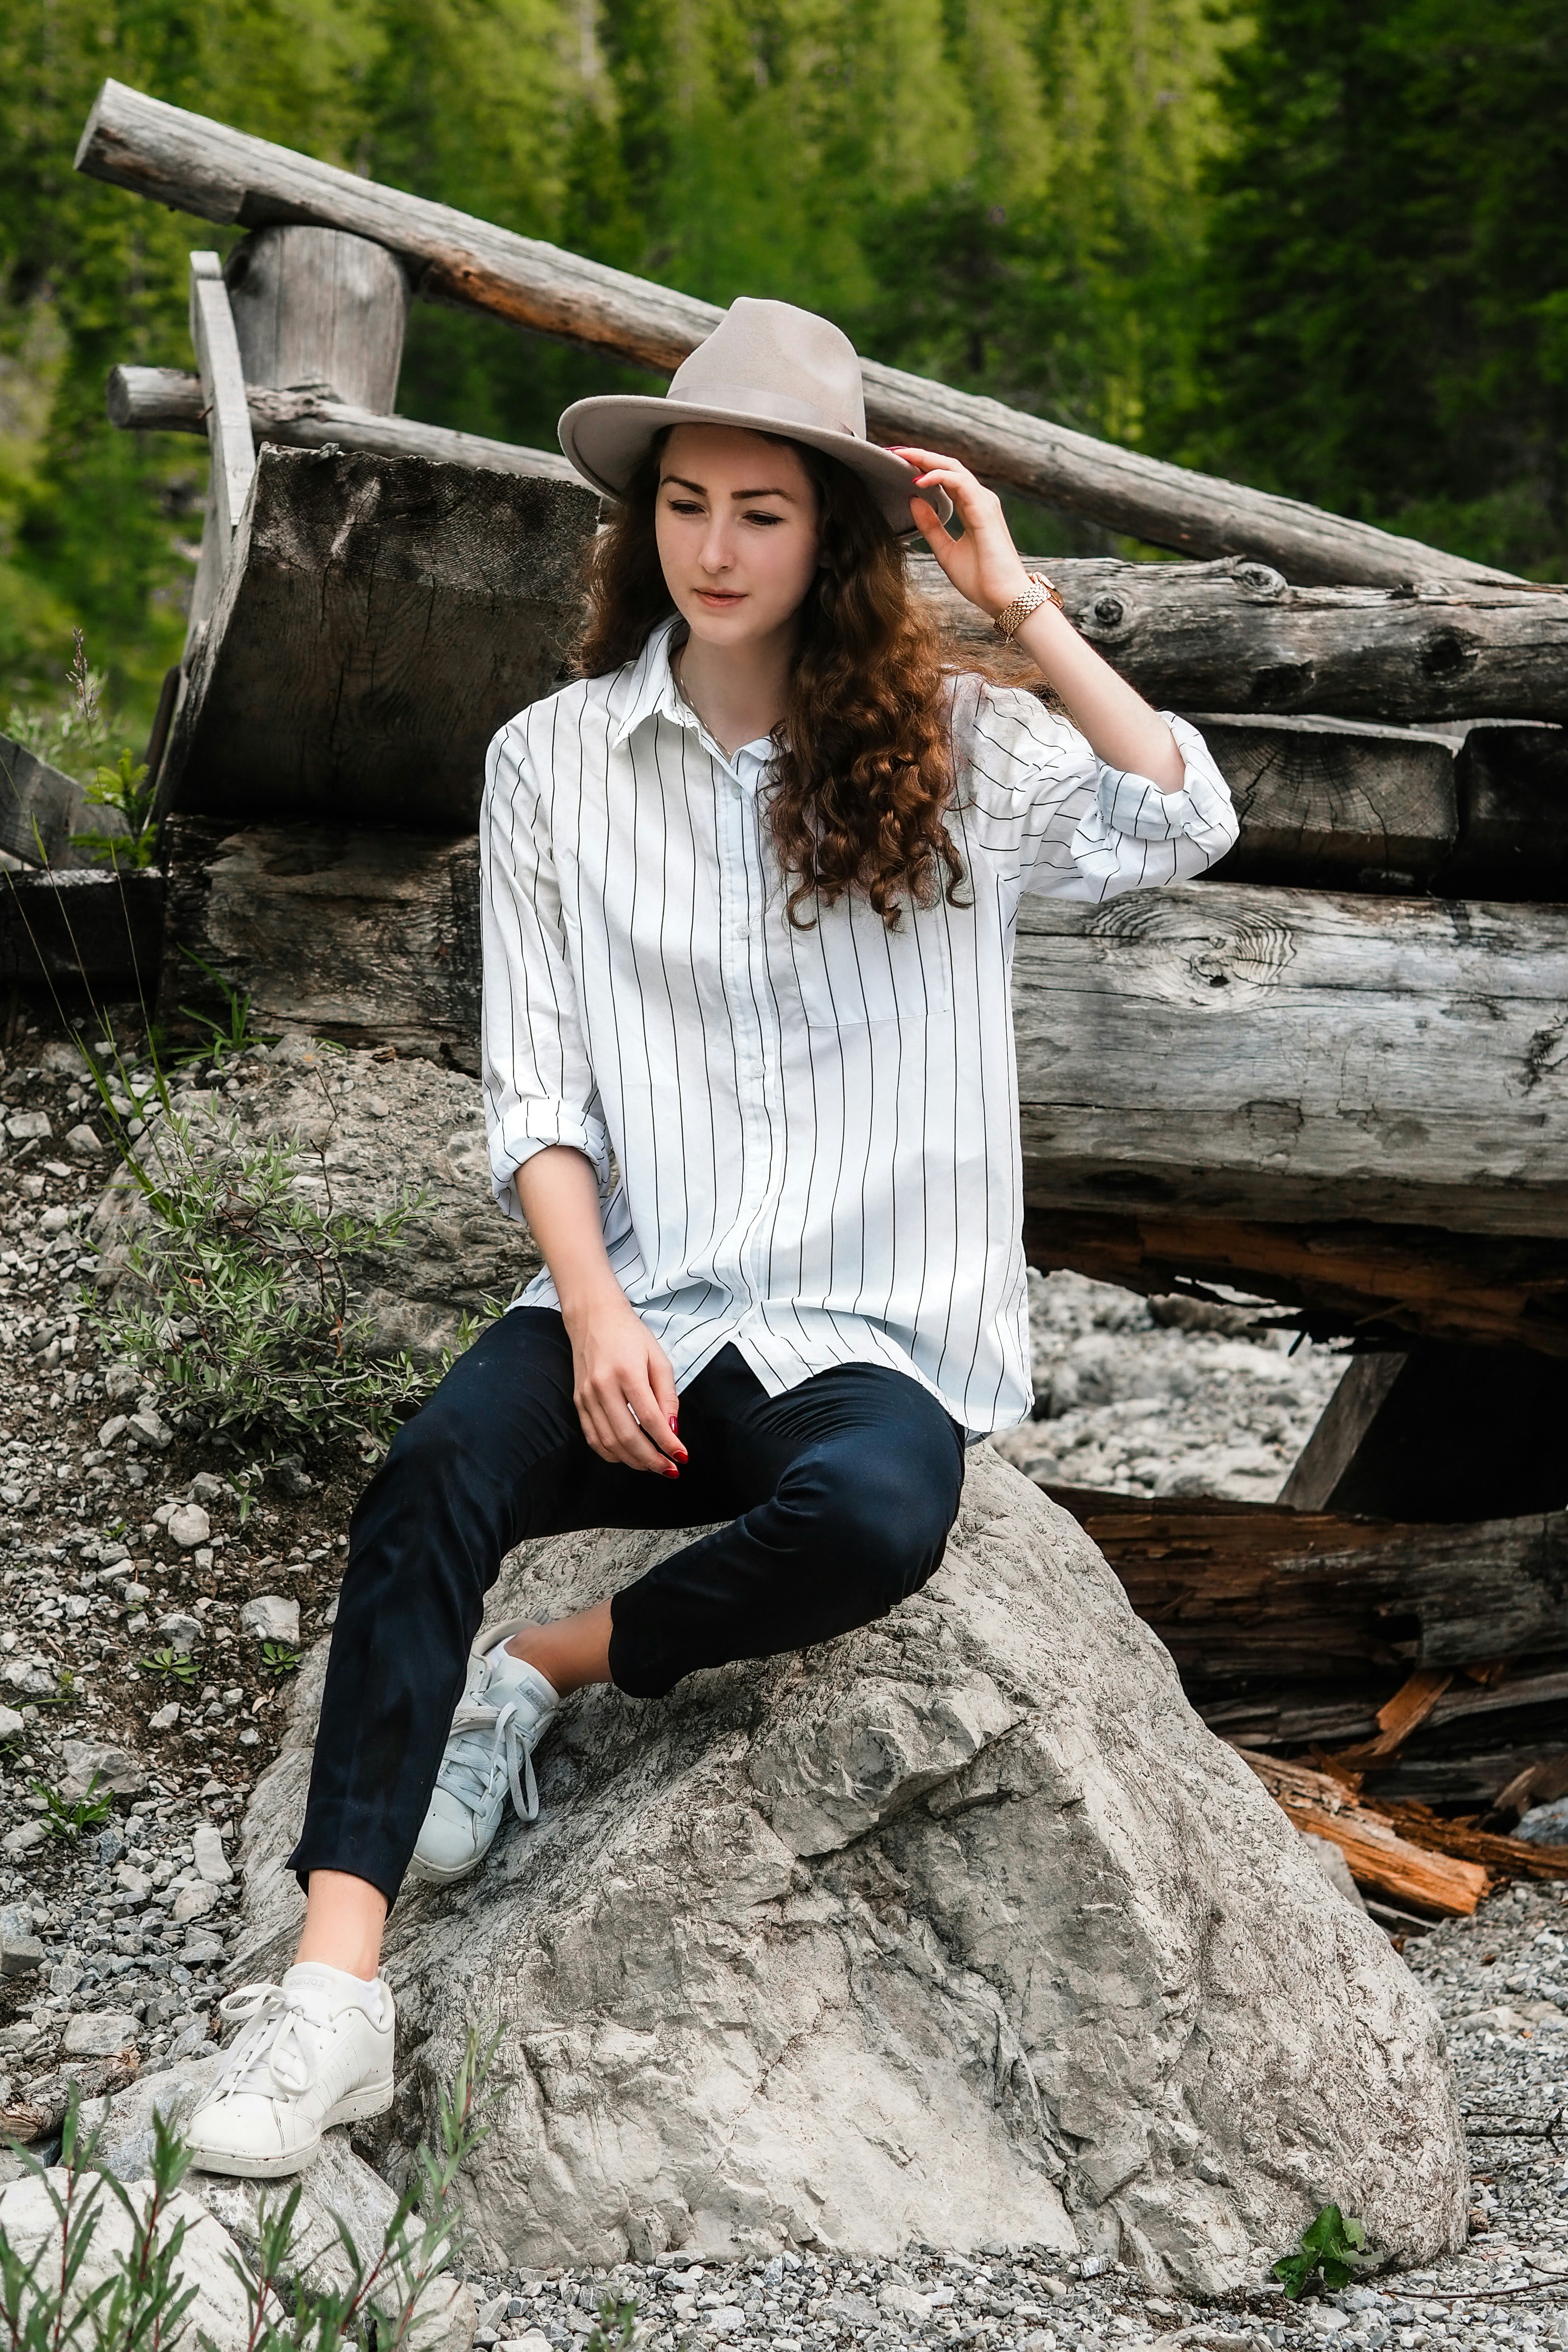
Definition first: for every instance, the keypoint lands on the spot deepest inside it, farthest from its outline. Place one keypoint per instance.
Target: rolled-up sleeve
(538, 1083)
(1079, 829)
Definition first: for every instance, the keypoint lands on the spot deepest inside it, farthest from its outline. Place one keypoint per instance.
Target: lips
(716, 596)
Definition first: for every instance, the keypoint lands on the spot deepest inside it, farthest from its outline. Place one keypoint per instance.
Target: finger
(661, 1381)
(934, 531)
(653, 1421)
(613, 1433)
(632, 1423)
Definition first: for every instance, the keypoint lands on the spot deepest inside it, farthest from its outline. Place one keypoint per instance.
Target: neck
(739, 692)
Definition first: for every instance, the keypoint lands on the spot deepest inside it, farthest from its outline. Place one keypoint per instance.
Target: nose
(717, 554)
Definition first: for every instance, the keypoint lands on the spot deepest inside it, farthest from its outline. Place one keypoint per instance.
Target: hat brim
(607, 437)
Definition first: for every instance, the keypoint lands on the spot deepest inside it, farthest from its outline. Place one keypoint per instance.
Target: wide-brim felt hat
(767, 368)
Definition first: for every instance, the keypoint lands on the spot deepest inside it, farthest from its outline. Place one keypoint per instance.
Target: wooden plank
(83, 926)
(1340, 1276)
(1261, 1591)
(222, 392)
(187, 161)
(1235, 638)
(1406, 1712)
(380, 620)
(1380, 1859)
(1296, 1054)
(41, 808)
(168, 400)
(1346, 805)
(312, 306)
(1440, 1433)
(372, 938)
(1514, 1857)
(1303, 1715)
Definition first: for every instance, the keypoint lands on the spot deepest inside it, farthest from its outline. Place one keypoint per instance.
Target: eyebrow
(702, 489)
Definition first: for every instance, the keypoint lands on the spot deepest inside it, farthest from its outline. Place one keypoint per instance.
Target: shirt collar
(653, 692)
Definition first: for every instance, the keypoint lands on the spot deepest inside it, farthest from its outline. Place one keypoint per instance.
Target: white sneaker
(317, 2050)
(506, 1709)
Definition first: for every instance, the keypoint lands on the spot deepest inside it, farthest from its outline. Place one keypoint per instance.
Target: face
(736, 522)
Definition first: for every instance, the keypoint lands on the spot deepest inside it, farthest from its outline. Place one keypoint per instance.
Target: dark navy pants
(838, 1496)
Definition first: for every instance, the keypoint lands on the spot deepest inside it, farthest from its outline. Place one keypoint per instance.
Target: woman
(749, 894)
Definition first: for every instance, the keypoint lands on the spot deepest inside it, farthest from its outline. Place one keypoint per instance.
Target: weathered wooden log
(198, 165)
(1328, 802)
(83, 927)
(233, 467)
(1341, 1278)
(369, 937)
(1234, 638)
(1296, 1054)
(1244, 1590)
(41, 808)
(378, 623)
(314, 307)
(168, 400)
(1301, 1715)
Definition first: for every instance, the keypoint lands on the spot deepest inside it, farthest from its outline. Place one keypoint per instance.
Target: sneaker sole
(431, 1874)
(359, 2106)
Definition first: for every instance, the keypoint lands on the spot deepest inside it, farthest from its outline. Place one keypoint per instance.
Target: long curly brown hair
(864, 770)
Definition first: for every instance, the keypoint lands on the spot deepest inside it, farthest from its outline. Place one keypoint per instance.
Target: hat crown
(784, 363)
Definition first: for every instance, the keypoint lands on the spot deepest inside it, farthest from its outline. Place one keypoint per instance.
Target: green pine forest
(1317, 244)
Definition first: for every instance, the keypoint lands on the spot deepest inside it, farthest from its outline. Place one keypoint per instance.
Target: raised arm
(986, 567)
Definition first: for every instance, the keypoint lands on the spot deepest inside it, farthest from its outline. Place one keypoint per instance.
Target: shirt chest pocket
(849, 970)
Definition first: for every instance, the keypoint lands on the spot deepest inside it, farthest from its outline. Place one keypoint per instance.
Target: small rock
(20, 1950)
(193, 1903)
(206, 1488)
(29, 1127)
(115, 1426)
(121, 1380)
(201, 1947)
(11, 1725)
(189, 1525)
(83, 1142)
(206, 1844)
(54, 1220)
(272, 1618)
(289, 1475)
(151, 1431)
(117, 1770)
(98, 2034)
(23, 1839)
(135, 1882)
(166, 1718)
(905, 2302)
(180, 1630)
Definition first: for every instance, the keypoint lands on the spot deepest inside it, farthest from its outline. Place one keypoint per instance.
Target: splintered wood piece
(1507, 1856)
(1380, 1859)
(1409, 1707)
(173, 157)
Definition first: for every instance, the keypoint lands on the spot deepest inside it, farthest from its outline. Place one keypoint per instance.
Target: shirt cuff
(533, 1126)
(1201, 812)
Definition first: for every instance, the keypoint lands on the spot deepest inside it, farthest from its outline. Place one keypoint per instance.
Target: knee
(886, 1526)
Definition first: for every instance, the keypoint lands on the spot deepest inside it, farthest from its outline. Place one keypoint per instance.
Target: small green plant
(224, 1043)
(279, 1659)
(67, 1818)
(143, 2298)
(75, 738)
(179, 1664)
(64, 1692)
(1332, 2247)
(240, 1309)
(616, 2325)
(124, 789)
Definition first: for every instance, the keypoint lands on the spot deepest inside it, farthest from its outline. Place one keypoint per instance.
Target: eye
(760, 514)
(685, 506)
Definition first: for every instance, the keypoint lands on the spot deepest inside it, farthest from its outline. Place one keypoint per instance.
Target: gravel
(124, 1930)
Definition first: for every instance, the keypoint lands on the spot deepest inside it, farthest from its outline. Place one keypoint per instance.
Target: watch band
(1011, 617)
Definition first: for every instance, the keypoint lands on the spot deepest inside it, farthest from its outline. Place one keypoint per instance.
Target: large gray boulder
(963, 1928)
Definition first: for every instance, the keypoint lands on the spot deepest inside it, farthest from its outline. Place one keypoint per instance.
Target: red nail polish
(672, 1421)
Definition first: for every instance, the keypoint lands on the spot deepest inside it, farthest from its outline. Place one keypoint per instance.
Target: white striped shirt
(815, 1133)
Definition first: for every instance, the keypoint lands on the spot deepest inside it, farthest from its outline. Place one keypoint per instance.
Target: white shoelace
(479, 1734)
(272, 2054)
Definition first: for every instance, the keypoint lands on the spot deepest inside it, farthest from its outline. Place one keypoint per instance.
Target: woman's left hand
(984, 565)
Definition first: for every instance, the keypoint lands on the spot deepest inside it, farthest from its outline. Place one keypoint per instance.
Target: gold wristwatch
(1011, 617)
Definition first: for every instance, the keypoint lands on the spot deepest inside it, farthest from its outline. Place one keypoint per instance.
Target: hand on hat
(984, 565)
